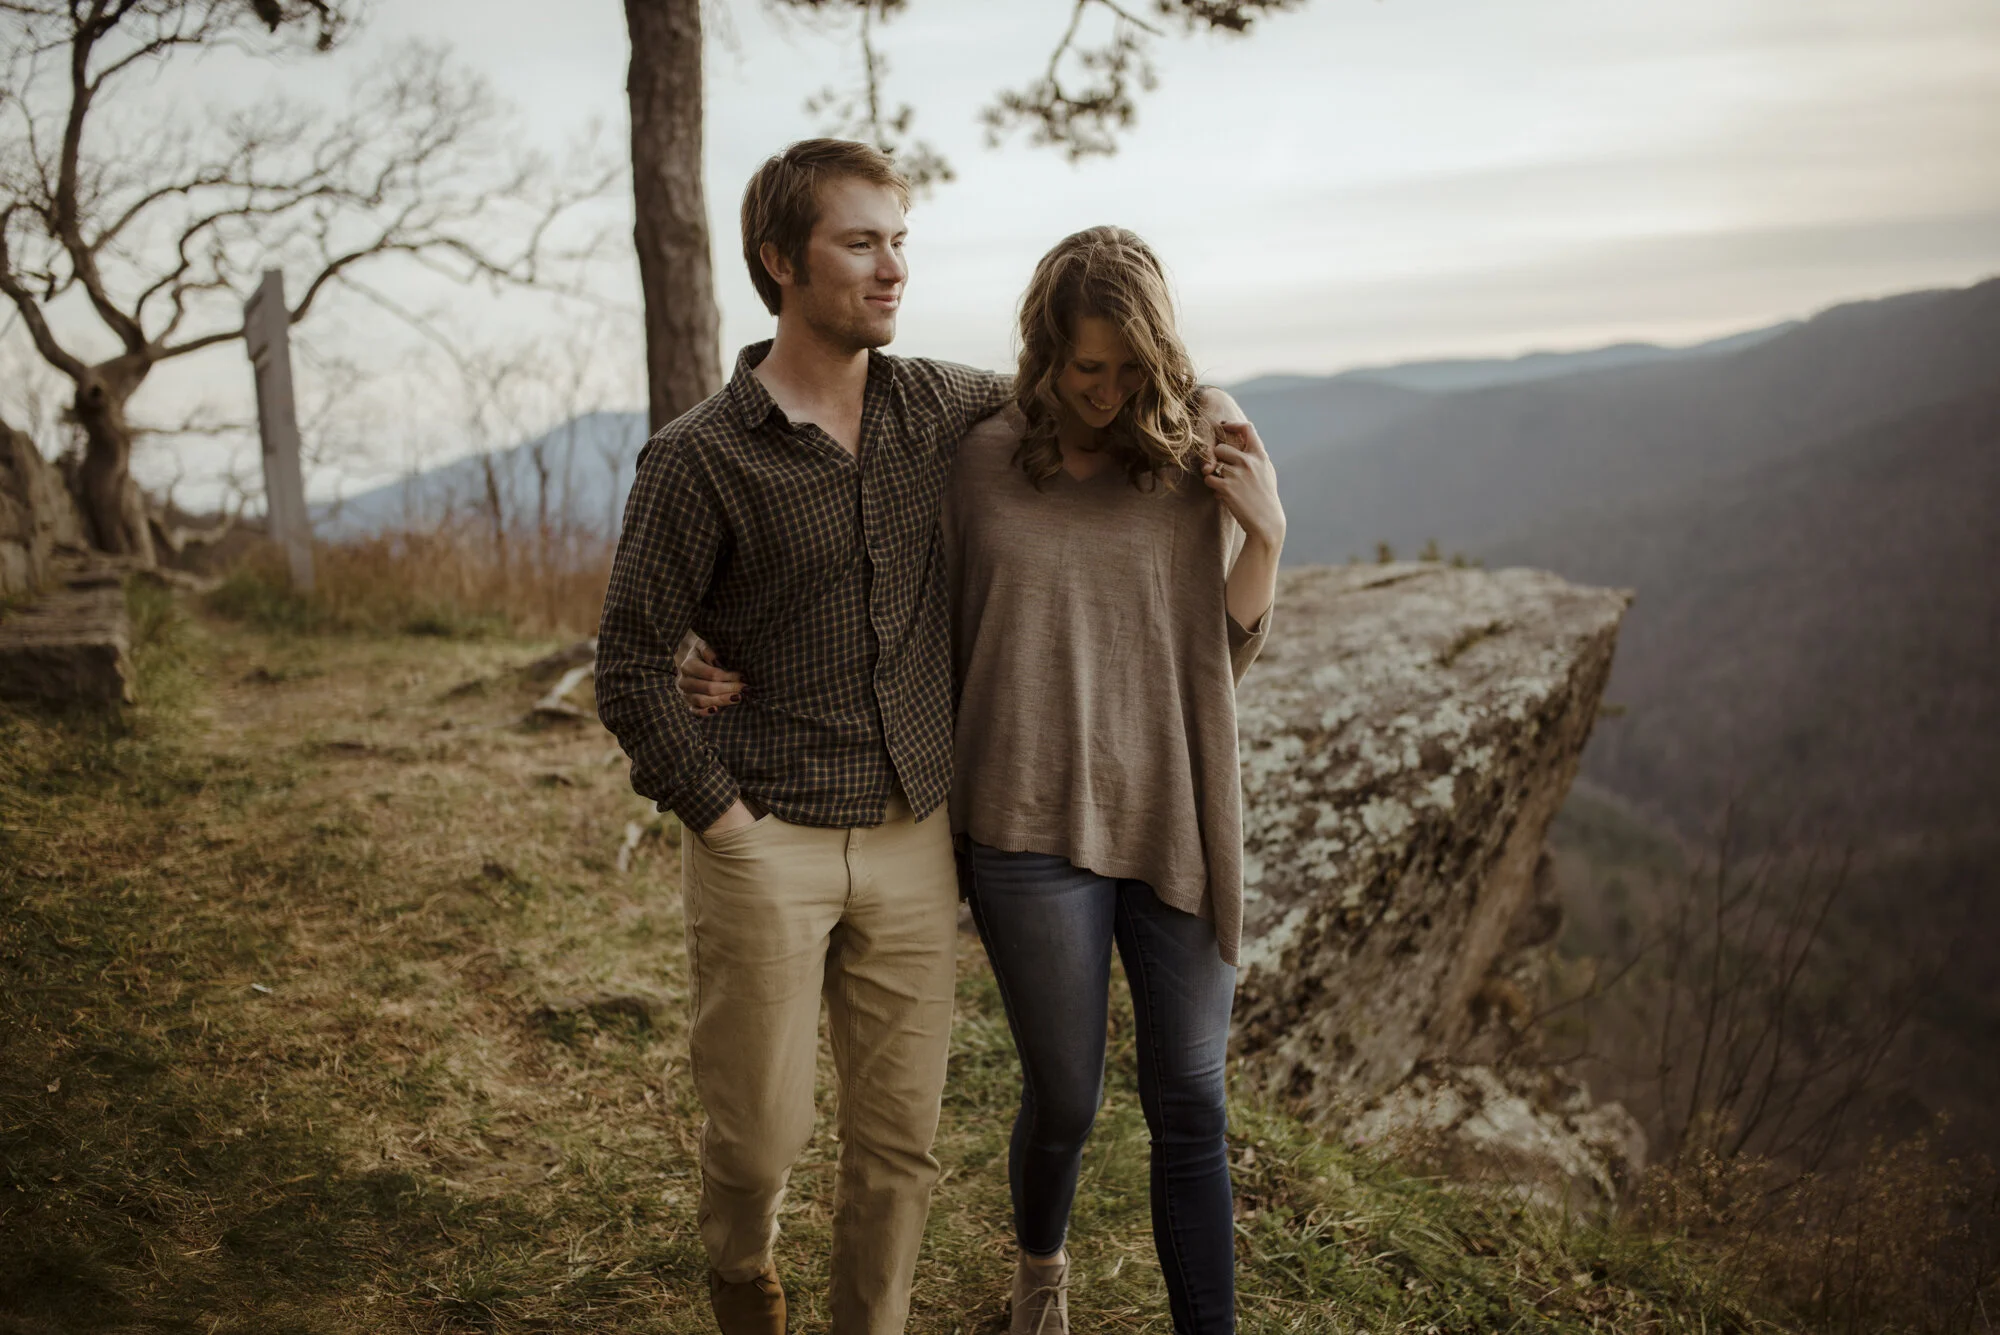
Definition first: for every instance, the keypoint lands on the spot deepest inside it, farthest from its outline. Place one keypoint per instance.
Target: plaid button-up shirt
(816, 574)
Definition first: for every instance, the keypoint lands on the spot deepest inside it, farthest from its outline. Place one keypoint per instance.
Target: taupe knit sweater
(1097, 666)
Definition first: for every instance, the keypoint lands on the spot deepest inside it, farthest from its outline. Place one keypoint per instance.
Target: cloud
(1667, 288)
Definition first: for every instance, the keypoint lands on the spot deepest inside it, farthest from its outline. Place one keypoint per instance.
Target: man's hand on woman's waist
(706, 685)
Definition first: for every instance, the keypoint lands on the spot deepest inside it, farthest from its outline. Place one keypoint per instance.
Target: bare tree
(1742, 1025)
(156, 228)
(1765, 1042)
(1079, 104)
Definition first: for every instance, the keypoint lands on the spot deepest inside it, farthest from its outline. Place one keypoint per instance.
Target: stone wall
(64, 636)
(37, 517)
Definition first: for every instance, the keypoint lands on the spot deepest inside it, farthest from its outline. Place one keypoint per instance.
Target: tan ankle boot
(1041, 1297)
(754, 1307)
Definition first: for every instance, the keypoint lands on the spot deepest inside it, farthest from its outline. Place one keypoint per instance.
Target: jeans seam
(1027, 1081)
(1139, 952)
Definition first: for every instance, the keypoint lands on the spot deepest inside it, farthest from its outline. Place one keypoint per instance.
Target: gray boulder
(64, 634)
(1406, 740)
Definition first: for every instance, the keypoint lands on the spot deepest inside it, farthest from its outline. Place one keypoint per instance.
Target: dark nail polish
(734, 698)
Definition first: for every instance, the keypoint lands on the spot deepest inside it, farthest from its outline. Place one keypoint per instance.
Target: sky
(1358, 182)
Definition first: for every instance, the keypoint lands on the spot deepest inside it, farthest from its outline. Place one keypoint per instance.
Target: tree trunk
(112, 508)
(663, 84)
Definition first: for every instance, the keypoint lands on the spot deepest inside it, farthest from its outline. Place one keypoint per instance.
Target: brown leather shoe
(754, 1307)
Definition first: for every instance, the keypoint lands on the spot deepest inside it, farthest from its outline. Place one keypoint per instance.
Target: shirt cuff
(701, 803)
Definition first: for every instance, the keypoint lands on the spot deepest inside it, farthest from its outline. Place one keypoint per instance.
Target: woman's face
(1100, 375)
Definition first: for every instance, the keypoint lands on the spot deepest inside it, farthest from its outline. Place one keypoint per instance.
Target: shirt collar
(747, 395)
(753, 403)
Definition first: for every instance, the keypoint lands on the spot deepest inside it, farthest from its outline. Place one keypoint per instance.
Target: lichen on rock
(1406, 740)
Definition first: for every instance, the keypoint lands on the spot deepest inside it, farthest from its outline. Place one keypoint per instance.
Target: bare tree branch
(1085, 98)
(1083, 111)
(167, 232)
(31, 312)
(859, 113)
(61, 211)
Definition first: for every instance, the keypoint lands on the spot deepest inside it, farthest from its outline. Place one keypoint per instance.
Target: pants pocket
(730, 839)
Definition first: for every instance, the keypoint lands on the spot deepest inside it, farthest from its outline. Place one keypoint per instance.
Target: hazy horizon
(1349, 186)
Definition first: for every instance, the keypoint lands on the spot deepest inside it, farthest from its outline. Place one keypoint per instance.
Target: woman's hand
(1241, 474)
(1245, 481)
(706, 685)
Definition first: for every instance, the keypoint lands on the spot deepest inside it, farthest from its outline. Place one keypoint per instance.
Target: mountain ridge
(1290, 409)
(1483, 465)
(1452, 374)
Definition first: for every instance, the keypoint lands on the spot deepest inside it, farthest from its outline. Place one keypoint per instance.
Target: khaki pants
(779, 915)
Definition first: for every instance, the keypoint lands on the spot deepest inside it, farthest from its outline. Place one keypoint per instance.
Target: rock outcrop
(1530, 1127)
(37, 517)
(72, 645)
(64, 634)
(1406, 740)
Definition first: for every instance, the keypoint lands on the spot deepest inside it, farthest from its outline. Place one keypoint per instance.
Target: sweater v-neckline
(1109, 470)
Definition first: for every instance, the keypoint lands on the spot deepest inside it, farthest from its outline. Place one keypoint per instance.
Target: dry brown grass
(1902, 1239)
(452, 580)
(274, 954)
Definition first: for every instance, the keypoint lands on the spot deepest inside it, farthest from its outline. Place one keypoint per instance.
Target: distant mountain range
(1451, 375)
(1476, 467)
(1807, 516)
(587, 462)
(590, 457)
(1810, 516)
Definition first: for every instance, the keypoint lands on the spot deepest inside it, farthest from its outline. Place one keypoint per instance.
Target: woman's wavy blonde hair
(1110, 273)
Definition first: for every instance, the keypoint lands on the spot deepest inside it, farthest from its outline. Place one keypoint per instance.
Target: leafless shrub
(1756, 1039)
(1903, 1239)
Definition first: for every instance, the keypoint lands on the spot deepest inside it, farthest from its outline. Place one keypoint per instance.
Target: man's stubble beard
(846, 329)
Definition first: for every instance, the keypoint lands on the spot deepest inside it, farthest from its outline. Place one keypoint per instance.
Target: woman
(1113, 550)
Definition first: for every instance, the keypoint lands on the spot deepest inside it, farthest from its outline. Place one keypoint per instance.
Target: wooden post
(267, 331)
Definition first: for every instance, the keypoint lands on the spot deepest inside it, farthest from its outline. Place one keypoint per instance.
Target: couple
(1030, 598)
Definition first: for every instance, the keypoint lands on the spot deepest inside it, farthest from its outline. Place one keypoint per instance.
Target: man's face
(854, 263)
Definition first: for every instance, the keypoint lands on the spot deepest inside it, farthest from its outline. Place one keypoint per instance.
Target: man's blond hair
(781, 203)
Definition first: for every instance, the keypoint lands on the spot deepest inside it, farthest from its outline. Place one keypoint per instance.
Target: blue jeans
(1049, 928)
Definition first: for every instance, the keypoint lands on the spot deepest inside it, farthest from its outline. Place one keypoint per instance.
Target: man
(791, 521)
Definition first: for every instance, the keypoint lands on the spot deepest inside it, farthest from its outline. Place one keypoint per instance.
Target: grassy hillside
(276, 1052)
